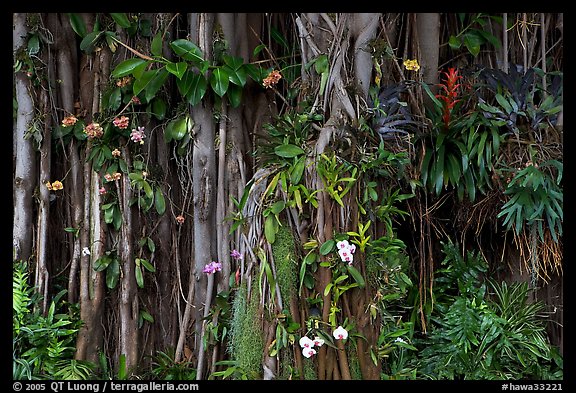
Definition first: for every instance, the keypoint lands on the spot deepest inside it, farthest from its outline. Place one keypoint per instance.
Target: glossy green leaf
(297, 170)
(156, 83)
(454, 42)
(356, 275)
(89, 41)
(121, 19)
(234, 95)
(327, 246)
(178, 69)
(237, 77)
(127, 67)
(277, 207)
(504, 103)
(472, 43)
(159, 201)
(270, 229)
(219, 80)
(159, 108)
(235, 63)
(78, 24)
(102, 263)
(439, 170)
(288, 150)
(139, 276)
(156, 45)
(187, 50)
(113, 274)
(33, 45)
(146, 316)
(147, 265)
(321, 64)
(198, 87)
(185, 83)
(112, 99)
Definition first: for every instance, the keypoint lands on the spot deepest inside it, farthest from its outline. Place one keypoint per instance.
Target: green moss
(354, 364)
(283, 251)
(309, 370)
(246, 337)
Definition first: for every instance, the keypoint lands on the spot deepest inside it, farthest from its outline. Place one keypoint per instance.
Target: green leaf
(327, 246)
(147, 265)
(159, 201)
(454, 42)
(159, 108)
(297, 170)
(198, 87)
(504, 103)
(277, 207)
(321, 64)
(234, 95)
(156, 83)
(431, 95)
(235, 63)
(288, 150)
(88, 42)
(219, 80)
(278, 37)
(439, 173)
(114, 99)
(176, 129)
(185, 83)
(472, 43)
(139, 276)
(102, 263)
(33, 45)
(113, 274)
(151, 245)
(121, 19)
(178, 69)
(127, 67)
(328, 288)
(188, 51)
(270, 229)
(77, 24)
(146, 316)
(156, 45)
(356, 275)
(237, 77)
(310, 258)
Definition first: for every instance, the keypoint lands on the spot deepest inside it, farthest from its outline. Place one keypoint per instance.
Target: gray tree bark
(24, 156)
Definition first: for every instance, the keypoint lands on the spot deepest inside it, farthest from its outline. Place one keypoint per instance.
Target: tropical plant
(482, 329)
(42, 345)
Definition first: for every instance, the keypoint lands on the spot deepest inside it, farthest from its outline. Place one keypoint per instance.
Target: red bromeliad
(449, 93)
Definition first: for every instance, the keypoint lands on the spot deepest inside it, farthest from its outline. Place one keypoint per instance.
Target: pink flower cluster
(236, 255)
(121, 122)
(137, 135)
(212, 267)
(94, 130)
(346, 251)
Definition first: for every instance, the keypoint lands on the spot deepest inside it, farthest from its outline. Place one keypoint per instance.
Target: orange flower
(55, 186)
(69, 121)
(180, 219)
(93, 130)
(272, 78)
(116, 153)
(121, 122)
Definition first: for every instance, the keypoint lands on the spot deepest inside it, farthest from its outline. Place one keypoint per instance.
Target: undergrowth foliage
(43, 345)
